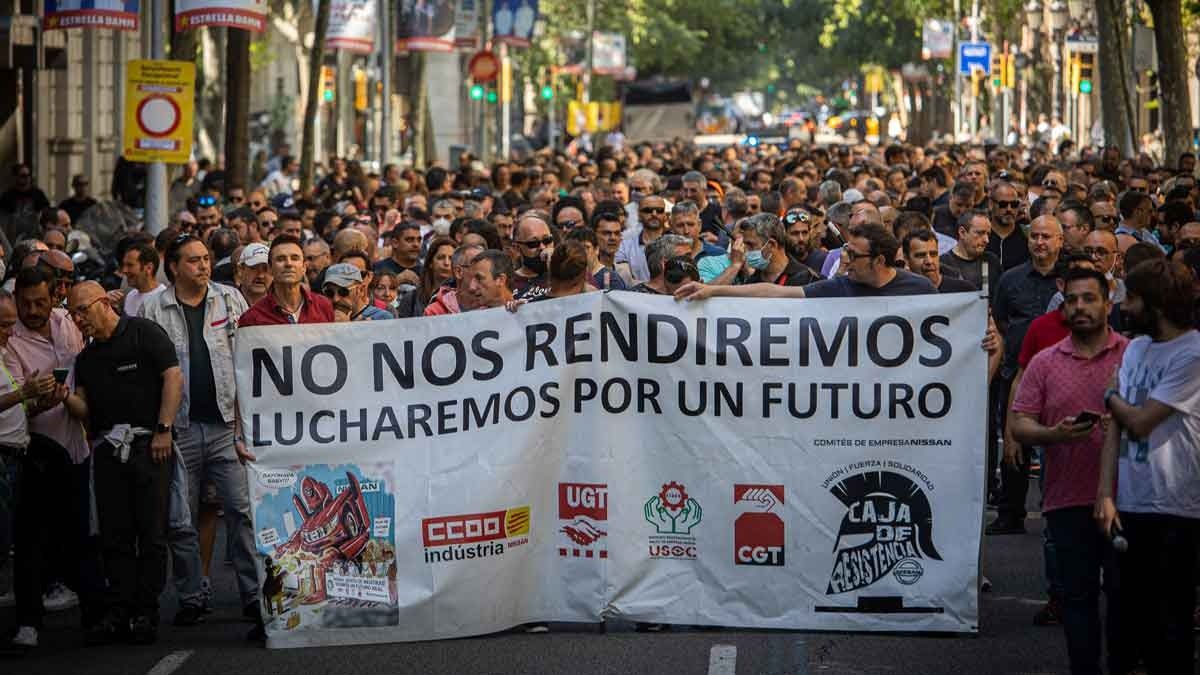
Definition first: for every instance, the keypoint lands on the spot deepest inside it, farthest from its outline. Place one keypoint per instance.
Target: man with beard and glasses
(345, 289)
(631, 256)
(1151, 457)
(535, 244)
(1007, 240)
(1057, 407)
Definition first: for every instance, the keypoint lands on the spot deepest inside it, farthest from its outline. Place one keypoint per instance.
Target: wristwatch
(161, 428)
(1108, 394)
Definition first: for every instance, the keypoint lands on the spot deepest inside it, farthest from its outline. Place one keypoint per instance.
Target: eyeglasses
(81, 310)
(569, 224)
(652, 209)
(331, 290)
(1053, 185)
(1106, 219)
(544, 242)
(206, 200)
(1096, 253)
(852, 255)
(1004, 204)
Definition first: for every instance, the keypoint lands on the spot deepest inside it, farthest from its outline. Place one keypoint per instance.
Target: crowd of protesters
(1090, 264)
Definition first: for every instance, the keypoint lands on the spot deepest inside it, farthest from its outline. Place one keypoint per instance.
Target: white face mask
(441, 227)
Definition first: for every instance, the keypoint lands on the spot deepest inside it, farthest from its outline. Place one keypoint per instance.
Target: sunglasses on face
(1106, 219)
(331, 291)
(537, 243)
(1003, 204)
(652, 210)
(1052, 185)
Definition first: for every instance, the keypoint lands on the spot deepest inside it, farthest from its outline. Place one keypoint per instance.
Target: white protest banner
(812, 464)
(352, 25)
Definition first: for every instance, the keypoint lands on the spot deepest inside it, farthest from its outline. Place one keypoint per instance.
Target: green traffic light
(491, 97)
(328, 94)
(1085, 86)
(477, 92)
(547, 92)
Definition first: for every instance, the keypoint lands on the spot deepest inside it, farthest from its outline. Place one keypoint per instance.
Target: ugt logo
(672, 511)
(888, 521)
(758, 533)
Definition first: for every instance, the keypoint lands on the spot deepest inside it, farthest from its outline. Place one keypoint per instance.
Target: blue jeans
(1081, 553)
(207, 450)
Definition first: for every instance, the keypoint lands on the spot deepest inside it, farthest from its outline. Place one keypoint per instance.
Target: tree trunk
(1172, 78)
(237, 111)
(1113, 55)
(312, 105)
(421, 127)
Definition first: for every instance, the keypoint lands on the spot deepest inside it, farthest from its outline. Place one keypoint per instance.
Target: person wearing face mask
(535, 243)
(767, 259)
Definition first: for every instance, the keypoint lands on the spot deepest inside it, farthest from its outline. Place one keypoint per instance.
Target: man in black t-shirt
(136, 385)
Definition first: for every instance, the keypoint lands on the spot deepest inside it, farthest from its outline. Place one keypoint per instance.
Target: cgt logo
(758, 532)
(476, 527)
(583, 510)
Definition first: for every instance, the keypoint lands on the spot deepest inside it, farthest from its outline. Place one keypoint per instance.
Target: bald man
(1022, 294)
(131, 366)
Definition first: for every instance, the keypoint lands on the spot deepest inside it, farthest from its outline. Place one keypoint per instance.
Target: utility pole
(957, 75)
(485, 37)
(589, 61)
(387, 58)
(506, 91)
(155, 218)
(974, 38)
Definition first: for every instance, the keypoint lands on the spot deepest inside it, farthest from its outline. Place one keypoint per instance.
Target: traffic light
(1075, 72)
(328, 81)
(1086, 64)
(491, 96)
(477, 92)
(547, 92)
(998, 60)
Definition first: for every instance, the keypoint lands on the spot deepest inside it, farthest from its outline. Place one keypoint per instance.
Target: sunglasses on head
(793, 217)
(206, 200)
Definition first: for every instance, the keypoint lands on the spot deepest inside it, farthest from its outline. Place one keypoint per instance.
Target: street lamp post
(1058, 22)
(1033, 19)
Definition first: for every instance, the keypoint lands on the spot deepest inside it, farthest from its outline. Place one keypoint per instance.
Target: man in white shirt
(139, 266)
(279, 182)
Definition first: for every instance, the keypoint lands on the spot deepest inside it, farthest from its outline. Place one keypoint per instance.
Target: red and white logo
(583, 512)
(758, 532)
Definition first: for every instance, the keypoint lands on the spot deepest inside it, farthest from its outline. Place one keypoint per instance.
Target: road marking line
(722, 660)
(170, 663)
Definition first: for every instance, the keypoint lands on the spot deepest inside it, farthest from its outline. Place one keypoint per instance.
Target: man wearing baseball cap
(254, 273)
(345, 289)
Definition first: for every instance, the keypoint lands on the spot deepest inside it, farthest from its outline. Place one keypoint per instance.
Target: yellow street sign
(159, 108)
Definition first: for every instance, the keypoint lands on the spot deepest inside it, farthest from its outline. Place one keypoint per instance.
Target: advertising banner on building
(352, 25)
(796, 465)
(513, 20)
(248, 15)
(114, 14)
(426, 25)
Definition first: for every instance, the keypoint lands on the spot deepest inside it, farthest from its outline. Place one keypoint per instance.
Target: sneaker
(58, 598)
(985, 585)
(536, 628)
(1049, 615)
(189, 615)
(206, 595)
(1005, 526)
(142, 631)
(8, 599)
(22, 641)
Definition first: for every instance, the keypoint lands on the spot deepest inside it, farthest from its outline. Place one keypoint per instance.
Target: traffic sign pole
(154, 219)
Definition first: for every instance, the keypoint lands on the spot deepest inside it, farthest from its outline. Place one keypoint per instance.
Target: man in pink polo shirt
(1058, 406)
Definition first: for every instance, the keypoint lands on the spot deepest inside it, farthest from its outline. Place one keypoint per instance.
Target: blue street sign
(974, 55)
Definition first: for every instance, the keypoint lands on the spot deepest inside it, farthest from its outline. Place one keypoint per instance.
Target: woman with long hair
(436, 270)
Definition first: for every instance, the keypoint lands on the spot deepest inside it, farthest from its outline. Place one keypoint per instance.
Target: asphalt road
(1007, 643)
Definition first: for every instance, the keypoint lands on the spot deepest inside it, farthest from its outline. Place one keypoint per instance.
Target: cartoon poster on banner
(248, 15)
(513, 21)
(114, 14)
(352, 25)
(327, 546)
(426, 25)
